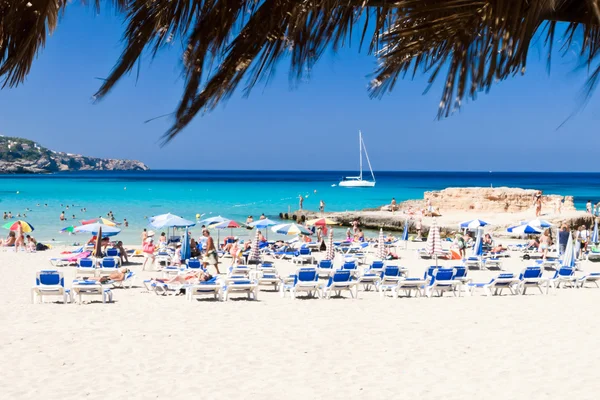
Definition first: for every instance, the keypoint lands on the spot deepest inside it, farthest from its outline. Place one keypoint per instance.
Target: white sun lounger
(305, 280)
(497, 285)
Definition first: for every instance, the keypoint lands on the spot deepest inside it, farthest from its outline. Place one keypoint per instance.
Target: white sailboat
(358, 181)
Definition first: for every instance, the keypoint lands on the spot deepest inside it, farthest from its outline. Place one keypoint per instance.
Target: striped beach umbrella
(290, 229)
(100, 220)
(478, 248)
(68, 229)
(97, 228)
(25, 226)
(381, 246)
(595, 232)
(472, 224)
(321, 222)
(539, 223)
(330, 251)
(525, 229)
(254, 250)
(434, 241)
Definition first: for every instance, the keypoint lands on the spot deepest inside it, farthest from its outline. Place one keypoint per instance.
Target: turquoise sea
(237, 194)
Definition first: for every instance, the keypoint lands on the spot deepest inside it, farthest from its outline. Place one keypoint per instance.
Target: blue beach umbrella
(478, 248)
(524, 229)
(186, 251)
(568, 259)
(472, 224)
(595, 232)
(538, 223)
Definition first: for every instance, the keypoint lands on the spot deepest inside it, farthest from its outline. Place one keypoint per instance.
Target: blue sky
(310, 126)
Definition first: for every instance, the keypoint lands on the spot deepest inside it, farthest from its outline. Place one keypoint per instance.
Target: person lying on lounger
(190, 277)
(10, 240)
(118, 276)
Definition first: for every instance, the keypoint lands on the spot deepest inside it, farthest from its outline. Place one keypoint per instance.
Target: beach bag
(41, 247)
(148, 248)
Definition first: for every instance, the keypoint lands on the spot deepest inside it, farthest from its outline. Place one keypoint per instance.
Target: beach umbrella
(539, 223)
(98, 247)
(97, 229)
(524, 229)
(595, 232)
(290, 229)
(263, 223)
(254, 250)
(568, 259)
(381, 246)
(321, 222)
(169, 221)
(478, 248)
(25, 226)
(405, 233)
(100, 220)
(434, 242)
(330, 251)
(186, 251)
(472, 224)
(209, 222)
(226, 224)
(68, 229)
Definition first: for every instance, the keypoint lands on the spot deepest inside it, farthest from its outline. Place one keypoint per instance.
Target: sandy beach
(148, 346)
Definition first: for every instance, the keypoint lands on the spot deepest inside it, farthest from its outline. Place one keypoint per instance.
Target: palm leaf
(227, 42)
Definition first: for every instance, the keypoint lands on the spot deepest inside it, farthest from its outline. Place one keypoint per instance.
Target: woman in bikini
(545, 243)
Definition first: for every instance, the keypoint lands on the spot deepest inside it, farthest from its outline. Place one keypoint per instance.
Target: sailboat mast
(360, 154)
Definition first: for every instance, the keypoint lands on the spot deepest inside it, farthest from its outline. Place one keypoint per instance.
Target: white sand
(146, 346)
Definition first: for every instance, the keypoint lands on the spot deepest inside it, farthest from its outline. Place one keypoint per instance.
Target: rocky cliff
(501, 199)
(19, 155)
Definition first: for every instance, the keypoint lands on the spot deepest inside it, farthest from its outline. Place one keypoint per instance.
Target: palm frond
(227, 42)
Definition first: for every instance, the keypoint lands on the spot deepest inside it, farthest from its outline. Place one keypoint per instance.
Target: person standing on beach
(393, 205)
(545, 243)
(300, 201)
(211, 256)
(419, 227)
(537, 202)
(144, 236)
(588, 207)
(322, 206)
(355, 226)
(148, 248)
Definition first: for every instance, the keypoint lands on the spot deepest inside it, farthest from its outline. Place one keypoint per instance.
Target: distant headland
(18, 156)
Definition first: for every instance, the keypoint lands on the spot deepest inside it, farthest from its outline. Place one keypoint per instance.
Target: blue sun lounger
(50, 283)
(497, 285)
(305, 280)
(339, 282)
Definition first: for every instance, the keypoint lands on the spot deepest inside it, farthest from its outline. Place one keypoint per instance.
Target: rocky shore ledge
(500, 207)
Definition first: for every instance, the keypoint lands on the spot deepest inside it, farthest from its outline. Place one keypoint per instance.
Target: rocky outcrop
(24, 156)
(501, 199)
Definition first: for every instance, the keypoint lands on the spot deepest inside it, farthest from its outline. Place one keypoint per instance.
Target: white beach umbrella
(381, 246)
(95, 228)
(169, 221)
(209, 222)
(330, 251)
(568, 259)
(434, 241)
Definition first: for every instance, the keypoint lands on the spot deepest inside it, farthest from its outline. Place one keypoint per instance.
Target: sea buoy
(197, 216)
